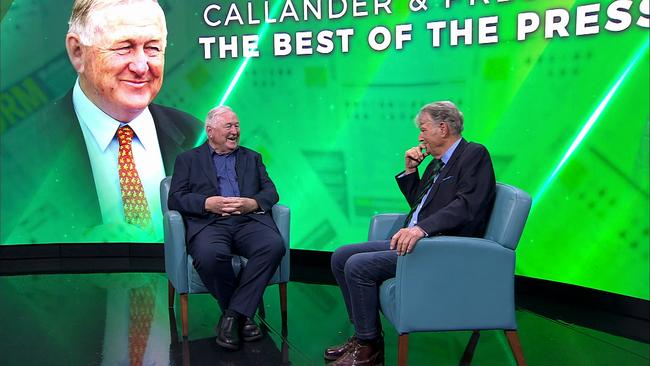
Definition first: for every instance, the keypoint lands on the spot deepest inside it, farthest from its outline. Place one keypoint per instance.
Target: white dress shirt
(99, 131)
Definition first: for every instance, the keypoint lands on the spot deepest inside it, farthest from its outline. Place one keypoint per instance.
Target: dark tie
(436, 165)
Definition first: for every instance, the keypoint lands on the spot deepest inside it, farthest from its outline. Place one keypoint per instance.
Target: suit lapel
(205, 158)
(444, 172)
(74, 140)
(240, 168)
(170, 138)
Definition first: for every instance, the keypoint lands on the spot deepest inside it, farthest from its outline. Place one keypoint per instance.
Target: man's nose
(139, 64)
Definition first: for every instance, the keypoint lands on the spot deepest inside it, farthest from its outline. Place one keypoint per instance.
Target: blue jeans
(359, 270)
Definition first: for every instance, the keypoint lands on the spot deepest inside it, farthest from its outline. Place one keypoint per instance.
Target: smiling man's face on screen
(120, 60)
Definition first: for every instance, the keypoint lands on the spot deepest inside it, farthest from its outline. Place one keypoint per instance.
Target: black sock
(232, 313)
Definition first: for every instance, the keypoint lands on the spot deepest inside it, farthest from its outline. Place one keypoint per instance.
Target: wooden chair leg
(402, 349)
(283, 303)
(184, 314)
(171, 292)
(186, 353)
(469, 349)
(515, 346)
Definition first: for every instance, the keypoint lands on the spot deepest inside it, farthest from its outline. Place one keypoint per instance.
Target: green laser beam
(590, 122)
(242, 66)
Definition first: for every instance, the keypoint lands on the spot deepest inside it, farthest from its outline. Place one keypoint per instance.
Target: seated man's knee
(357, 266)
(341, 255)
(274, 246)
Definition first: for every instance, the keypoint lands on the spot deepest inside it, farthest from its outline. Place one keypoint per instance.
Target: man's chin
(135, 102)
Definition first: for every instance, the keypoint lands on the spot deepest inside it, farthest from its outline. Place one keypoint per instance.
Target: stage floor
(118, 318)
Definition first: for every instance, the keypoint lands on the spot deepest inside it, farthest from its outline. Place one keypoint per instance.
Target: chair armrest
(175, 250)
(383, 226)
(469, 280)
(282, 218)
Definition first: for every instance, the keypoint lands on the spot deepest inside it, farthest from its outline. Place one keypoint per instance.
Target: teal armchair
(457, 283)
(181, 274)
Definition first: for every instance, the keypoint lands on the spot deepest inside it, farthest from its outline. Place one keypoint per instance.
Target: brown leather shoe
(335, 352)
(363, 355)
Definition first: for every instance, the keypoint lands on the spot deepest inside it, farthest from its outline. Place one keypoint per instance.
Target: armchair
(182, 276)
(457, 283)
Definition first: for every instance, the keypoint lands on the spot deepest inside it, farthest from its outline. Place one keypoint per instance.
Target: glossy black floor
(87, 319)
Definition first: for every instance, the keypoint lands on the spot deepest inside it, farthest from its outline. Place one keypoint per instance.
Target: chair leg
(171, 292)
(184, 314)
(283, 303)
(469, 349)
(515, 346)
(402, 349)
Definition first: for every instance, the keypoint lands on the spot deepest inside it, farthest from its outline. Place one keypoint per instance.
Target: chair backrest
(509, 215)
(164, 193)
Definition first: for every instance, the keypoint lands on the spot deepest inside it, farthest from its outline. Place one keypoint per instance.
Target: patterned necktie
(142, 302)
(136, 209)
(437, 164)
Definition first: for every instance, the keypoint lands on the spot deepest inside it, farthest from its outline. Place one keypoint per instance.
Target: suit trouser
(359, 270)
(213, 248)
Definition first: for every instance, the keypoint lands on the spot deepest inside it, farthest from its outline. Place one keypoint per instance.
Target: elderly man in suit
(454, 196)
(225, 195)
(103, 149)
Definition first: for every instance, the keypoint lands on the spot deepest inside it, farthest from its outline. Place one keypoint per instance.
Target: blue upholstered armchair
(457, 283)
(182, 276)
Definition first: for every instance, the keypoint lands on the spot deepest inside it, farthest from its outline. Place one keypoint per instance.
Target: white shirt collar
(103, 127)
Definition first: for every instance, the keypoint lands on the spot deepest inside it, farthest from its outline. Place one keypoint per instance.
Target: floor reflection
(124, 319)
(204, 351)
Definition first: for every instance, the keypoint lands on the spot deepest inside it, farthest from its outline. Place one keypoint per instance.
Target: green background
(565, 119)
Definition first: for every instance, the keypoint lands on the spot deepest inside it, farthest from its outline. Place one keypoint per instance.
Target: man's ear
(75, 52)
(444, 129)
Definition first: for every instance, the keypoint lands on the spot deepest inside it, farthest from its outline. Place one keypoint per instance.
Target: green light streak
(590, 123)
(242, 66)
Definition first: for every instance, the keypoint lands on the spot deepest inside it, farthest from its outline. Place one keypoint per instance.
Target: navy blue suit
(461, 199)
(213, 239)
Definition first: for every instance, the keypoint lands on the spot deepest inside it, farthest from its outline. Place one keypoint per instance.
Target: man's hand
(405, 239)
(230, 205)
(218, 205)
(242, 205)
(412, 159)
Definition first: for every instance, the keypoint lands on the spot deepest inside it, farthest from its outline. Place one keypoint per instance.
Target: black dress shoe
(250, 331)
(228, 332)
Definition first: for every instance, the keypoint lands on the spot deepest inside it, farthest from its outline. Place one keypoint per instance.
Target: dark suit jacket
(462, 197)
(48, 189)
(195, 179)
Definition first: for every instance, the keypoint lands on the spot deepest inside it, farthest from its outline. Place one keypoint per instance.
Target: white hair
(84, 22)
(216, 115)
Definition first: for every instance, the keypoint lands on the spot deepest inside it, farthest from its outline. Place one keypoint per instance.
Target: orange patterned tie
(140, 315)
(136, 209)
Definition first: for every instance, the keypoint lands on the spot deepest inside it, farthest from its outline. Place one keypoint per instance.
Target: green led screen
(562, 106)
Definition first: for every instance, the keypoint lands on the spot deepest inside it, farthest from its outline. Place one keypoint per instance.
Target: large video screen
(327, 92)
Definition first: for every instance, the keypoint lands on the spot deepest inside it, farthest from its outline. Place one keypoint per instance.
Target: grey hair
(216, 114)
(83, 23)
(444, 111)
